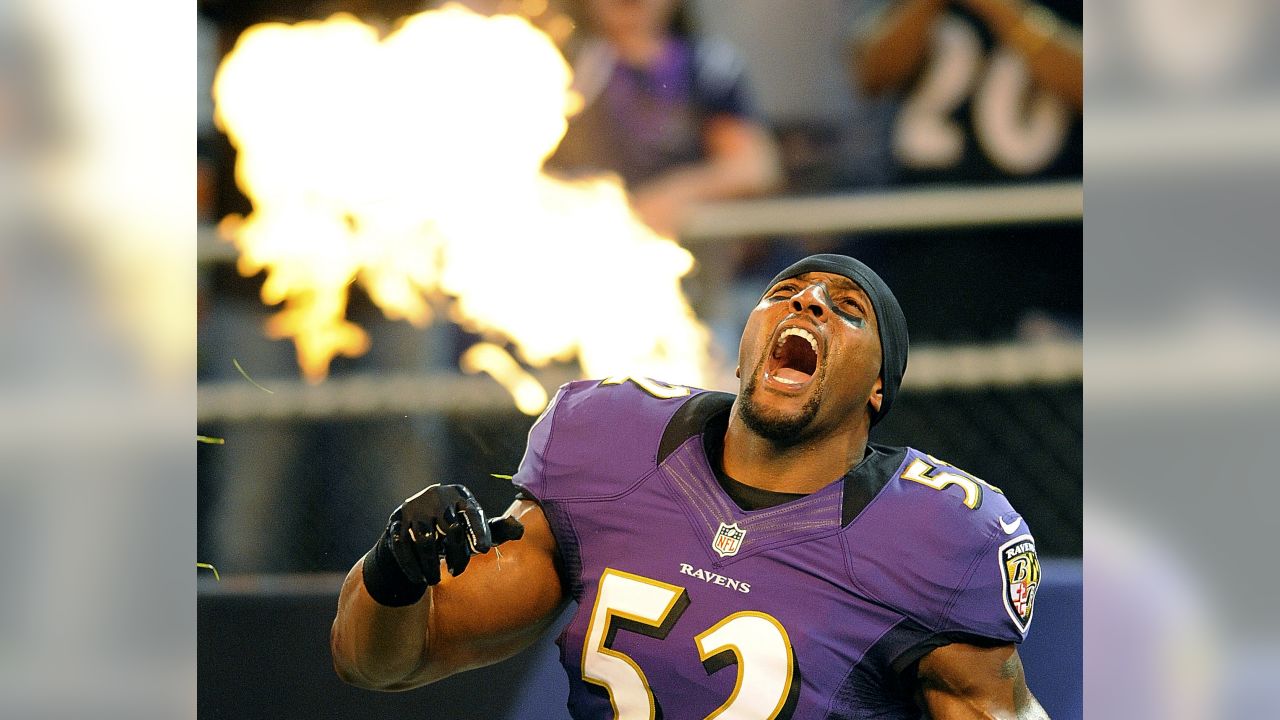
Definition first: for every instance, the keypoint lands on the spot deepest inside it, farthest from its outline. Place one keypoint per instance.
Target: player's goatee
(779, 429)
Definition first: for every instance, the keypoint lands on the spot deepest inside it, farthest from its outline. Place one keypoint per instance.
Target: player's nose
(813, 300)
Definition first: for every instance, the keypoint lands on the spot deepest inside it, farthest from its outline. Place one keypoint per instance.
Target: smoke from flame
(412, 166)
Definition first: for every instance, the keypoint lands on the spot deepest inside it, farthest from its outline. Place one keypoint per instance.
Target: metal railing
(903, 209)
(932, 368)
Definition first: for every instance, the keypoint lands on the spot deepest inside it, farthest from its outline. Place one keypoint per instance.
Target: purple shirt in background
(821, 605)
(646, 120)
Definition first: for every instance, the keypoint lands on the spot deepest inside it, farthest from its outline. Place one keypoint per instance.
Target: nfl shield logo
(728, 539)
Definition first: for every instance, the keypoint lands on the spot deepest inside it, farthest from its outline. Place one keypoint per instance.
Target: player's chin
(780, 427)
(782, 412)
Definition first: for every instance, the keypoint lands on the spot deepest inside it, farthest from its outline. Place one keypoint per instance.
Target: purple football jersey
(689, 606)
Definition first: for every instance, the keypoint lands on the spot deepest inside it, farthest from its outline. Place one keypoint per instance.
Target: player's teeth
(799, 332)
(785, 380)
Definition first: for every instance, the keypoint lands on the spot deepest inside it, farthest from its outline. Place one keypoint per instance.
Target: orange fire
(412, 166)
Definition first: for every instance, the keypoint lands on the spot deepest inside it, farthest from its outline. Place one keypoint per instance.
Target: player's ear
(877, 395)
(737, 372)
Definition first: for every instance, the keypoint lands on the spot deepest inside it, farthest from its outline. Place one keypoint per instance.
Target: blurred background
(102, 267)
(712, 143)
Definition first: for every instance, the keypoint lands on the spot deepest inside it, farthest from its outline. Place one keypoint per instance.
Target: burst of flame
(528, 393)
(412, 165)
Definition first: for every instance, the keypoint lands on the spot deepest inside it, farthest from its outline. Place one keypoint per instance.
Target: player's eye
(852, 310)
(787, 289)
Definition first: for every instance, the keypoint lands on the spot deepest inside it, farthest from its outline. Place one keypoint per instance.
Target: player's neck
(802, 468)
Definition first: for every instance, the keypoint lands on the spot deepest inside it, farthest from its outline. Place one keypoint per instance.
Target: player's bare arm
(960, 682)
(498, 605)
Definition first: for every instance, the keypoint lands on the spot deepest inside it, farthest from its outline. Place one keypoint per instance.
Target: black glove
(442, 521)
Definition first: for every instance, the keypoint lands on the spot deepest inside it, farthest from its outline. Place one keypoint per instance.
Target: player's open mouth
(794, 358)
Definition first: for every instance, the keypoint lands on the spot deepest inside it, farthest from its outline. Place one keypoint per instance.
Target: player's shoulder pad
(598, 437)
(947, 568)
(954, 508)
(977, 525)
(970, 507)
(950, 512)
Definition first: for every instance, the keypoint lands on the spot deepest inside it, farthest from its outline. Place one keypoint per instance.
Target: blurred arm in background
(886, 53)
(1052, 49)
(742, 159)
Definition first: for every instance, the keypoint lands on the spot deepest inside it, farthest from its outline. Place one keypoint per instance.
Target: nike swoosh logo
(1010, 528)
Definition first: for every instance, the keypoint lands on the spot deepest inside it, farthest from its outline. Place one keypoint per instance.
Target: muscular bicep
(960, 681)
(503, 601)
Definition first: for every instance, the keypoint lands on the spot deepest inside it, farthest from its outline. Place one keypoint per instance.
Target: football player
(748, 556)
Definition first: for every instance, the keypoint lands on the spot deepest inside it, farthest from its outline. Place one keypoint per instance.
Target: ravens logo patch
(1020, 570)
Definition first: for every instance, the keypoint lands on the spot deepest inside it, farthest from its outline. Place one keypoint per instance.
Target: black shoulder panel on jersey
(879, 680)
(868, 478)
(690, 419)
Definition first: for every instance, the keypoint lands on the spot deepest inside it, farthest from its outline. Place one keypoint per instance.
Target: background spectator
(669, 112)
(987, 89)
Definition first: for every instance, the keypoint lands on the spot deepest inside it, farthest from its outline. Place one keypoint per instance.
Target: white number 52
(753, 641)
